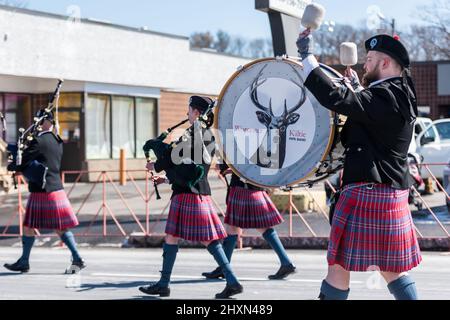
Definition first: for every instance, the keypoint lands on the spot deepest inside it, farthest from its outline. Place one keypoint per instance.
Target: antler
(254, 93)
(303, 95)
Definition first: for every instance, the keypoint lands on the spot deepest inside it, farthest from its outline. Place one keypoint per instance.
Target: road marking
(143, 276)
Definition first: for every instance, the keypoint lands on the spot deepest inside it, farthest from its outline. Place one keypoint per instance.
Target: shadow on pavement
(142, 298)
(8, 274)
(114, 285)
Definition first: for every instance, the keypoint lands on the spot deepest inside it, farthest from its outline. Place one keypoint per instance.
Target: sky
(237, 17)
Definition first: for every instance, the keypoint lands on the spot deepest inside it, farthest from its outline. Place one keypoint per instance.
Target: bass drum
(271, 131)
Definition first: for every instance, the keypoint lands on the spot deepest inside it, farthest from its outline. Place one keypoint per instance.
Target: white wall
(48, 46)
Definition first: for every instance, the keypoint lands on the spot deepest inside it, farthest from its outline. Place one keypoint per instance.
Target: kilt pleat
(193, 218)
(372, 229)
(50, 211)
(251, 209)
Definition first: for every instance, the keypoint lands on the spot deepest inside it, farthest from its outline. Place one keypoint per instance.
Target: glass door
(17, 111)
(70, 130)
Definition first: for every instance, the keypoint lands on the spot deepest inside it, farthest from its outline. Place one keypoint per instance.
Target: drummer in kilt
(250, 207)
(192, 215)
(372, 227)
(48, 207)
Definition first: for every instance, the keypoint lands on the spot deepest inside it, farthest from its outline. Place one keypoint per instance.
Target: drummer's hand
(159, 180)
(305, 44)
(353, 77)
(226, 172)
(150, 166)
(223, 173)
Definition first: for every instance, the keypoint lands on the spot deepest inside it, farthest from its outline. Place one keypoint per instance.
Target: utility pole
(391, 22)
(393, 27)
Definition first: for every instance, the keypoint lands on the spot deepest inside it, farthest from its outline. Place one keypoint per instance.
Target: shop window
(146, 123)
(123, 127)
(98, 127)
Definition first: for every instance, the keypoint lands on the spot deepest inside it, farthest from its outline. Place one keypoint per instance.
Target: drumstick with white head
(349, 56)
(312, 18)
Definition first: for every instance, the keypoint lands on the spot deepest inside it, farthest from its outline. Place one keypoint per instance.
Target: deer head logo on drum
(275, 124)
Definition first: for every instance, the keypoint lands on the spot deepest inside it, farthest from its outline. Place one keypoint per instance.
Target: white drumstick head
(349, 54)
(313, 16)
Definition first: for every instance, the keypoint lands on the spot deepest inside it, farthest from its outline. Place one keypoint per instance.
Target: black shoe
(283, 272)
(18, 267)
(230, 290)
(155, 289)
(216, 274)
(76, 267)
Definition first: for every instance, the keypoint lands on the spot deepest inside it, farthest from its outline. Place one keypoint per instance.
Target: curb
(310, 243)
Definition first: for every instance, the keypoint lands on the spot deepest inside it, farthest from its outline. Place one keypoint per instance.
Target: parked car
(433, 144)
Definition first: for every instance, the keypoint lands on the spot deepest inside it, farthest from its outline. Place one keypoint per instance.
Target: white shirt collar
(380, 81)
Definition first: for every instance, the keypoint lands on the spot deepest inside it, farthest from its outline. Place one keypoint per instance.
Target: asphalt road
(114, 273)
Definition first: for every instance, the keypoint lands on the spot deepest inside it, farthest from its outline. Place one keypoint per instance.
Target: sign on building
(293, 8)
(284, 17)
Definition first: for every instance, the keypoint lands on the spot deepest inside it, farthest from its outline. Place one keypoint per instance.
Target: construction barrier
(105, 203)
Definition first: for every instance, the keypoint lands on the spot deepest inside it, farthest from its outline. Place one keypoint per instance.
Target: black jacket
(195, 142)
(237, 182)
(378, 130)
(48, 150)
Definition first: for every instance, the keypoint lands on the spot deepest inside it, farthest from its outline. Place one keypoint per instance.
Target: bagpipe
(188, 173)
(34, 171)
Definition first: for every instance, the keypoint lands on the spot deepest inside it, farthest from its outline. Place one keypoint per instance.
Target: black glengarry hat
(390, 46)
(200, 103)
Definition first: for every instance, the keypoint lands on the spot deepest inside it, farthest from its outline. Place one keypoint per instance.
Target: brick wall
(173, 108)
(425, 77)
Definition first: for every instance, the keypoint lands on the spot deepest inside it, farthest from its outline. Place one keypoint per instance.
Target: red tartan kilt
(372, 229)
(193, 218)
(251, 209)
(50, 211)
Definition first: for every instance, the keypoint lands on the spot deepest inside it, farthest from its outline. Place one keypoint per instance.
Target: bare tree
(423, 44)
(257, 48)
(202, 40)
(269, 48)
(429, 41)
(327, 44)
(222, 43)
(237, 46)
(434, 37)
